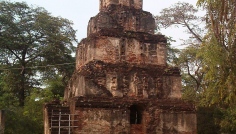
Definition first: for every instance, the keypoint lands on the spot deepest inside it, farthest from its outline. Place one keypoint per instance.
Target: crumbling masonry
(122, 83)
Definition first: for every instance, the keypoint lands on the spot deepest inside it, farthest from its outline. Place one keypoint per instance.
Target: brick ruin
(122, 83)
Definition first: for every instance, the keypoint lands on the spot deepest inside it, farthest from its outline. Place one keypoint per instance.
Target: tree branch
(197, 82)
(191, 31)
(14, 53)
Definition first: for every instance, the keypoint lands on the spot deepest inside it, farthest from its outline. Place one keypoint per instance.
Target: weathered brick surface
(118, 50)
(104, 4)
(123, 79)
(161, 116)
(122, 83)
(124, 18)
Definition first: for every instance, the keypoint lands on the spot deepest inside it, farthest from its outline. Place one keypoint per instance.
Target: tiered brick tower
(122, 83)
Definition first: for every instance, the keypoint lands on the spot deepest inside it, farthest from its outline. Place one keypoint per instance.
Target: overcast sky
(80, 11)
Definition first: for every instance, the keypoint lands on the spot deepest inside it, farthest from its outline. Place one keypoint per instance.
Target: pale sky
(80, 11)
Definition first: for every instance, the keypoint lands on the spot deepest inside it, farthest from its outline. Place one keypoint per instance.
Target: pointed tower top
(138, 4)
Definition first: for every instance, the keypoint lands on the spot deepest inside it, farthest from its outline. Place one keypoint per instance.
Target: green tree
(56, 86)
(192, 76)
(184, 15)
(219, 55)
(28, 119)
(29, 38)
(9, 84)
(172, 52)
(192, 63)
(219, 48)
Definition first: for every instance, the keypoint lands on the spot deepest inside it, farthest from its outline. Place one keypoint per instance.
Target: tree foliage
(181, 14)
(28, 119)
(208, 62)
(219, 48)
(172, 52)
(36, 63)
(219, 54)
(30, 38)
(184, 15)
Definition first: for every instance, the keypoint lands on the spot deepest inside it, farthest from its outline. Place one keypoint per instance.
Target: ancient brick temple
(122, 83)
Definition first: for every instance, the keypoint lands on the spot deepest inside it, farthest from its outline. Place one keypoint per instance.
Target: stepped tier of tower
(122, 34)
(122, 57)
(122, 83)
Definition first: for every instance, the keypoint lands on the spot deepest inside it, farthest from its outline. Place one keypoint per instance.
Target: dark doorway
(135, 115)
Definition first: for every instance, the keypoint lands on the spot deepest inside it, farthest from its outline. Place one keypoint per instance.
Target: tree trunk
(22, 88)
